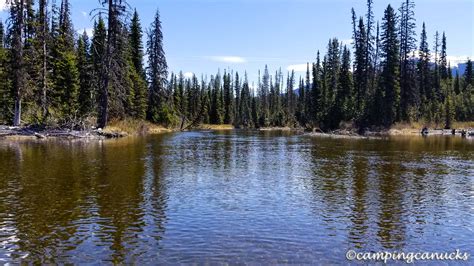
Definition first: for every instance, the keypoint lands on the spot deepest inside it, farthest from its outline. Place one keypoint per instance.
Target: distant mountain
(461, 68)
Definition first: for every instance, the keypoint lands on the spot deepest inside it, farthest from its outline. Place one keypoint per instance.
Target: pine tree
(237, 110)
(409, 93)
(5, 90)
(331, 78)
(113, 69)
(436, 75)
(389, 87)
(360, 66)
(136, 45)
(316, 92)
(246, 104)
(308, 96)
(344, 101)
(98, 58)
(65, 73)
(228, 99)
(43, 41)
(17, 18)
(424, 77)
(468, 76)
(443, 64)
(159, 110)
(84, 63)
(290, 99)
(264, 99)
(137, 72)
(369, 44)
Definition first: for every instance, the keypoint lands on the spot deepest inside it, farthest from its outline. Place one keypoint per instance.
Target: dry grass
(416, 127)
(277, 129)
(464, 125)
(215, 127)
(133, 127)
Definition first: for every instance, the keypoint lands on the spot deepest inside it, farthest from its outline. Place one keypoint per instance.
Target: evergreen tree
(228, 99)
(344, 101)
(98, 57)
(389, 87)
(443, 64)
(409, 93)
(424, 78)
(17, 10)
(468, 77)
(264, 99)
(360, 64)
(159, 110)
(65, 73)
(237, 88)
(436, 75)
(290, 99)
(113, 70)
(136, 45)
(84, 63)
(5, 90)
(137, 72)
(316, 91)
(246, 104)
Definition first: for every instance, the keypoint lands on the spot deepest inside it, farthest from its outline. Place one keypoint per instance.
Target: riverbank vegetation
(52, 78)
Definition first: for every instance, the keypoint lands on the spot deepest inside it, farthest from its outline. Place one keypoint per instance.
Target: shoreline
(124, 129)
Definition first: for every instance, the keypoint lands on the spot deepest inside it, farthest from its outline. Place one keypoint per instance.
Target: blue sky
(202, 36)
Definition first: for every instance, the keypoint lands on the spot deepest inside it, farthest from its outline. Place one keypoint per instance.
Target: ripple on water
(233, 197)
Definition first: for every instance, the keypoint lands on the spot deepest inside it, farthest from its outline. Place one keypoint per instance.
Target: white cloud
(84, 13)
(456, 60)
(89, 31)
(297, 67)
(453, 59)
(347, 42)
(3, 6)
(188, 75)
(228, 59)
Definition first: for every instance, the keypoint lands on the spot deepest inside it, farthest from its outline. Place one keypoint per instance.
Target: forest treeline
(52, 77)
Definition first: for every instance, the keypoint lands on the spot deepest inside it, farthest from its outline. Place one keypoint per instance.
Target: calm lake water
(233, 197)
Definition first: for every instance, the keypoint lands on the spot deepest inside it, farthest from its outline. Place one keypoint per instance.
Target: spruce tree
(360, 67)
(237, 109)
(264, 99)
(17, 31)
(424, 77)
(159, 110)
(136, 70)
(98, 58)
(84, 63)
(468, 76)
(443, 61)
(65, 73)
(389, 87)
(408, 90)
(228, 99)
(5, 90)
(316, 91)
(344, 96)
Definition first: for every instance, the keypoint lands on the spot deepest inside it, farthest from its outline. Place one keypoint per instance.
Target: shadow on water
(233, 197)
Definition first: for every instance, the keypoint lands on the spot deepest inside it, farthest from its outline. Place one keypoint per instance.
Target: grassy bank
(214, 127)
(130, 127)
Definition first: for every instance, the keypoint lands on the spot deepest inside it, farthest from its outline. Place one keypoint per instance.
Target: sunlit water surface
(233, 197)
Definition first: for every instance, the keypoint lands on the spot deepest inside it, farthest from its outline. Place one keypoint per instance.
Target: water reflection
(233, 196)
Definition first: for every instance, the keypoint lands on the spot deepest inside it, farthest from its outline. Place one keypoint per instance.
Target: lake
(233, 197)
